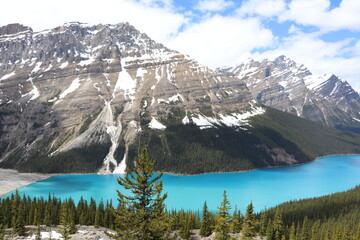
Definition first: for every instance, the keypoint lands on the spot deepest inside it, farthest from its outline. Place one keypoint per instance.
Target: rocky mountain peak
(289, 86)
(80, 85)
(14, 28)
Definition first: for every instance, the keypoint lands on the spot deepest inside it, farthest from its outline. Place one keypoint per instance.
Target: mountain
(82, 98)
(288, 86)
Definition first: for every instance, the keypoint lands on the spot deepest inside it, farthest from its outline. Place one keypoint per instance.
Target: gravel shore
(11, 180)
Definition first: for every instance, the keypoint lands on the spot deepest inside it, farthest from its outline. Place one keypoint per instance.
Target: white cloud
(265, 8)
(357, 48)
(218, 40)
(213, 5)
(293, 29)
(320, 56)
(317, 13)
(156, 18)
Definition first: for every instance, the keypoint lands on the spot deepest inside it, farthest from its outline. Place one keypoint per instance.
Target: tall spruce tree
(236, 222)
(2, 231)
(19, 227)
(249, 223)
(305, 230)
(206, 223)
(263, 222)
(184, 231)
(278, 225)
(141, 214)
(292, 234)
(223, 219)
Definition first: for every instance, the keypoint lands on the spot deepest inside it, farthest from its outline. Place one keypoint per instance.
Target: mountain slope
(291, 87)
(80, 98)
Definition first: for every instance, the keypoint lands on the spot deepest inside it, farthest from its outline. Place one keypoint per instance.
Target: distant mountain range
(291, 87)
(81, 98)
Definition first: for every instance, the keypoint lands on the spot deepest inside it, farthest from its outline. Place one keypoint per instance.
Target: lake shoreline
(11, 179)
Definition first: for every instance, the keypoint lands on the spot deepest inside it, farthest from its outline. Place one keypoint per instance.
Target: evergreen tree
(249, 223)
(92, 212)
(37, 216)
(269, 231)
(185, 229)
(67, 218)
(236, 221)
(292, 234)
(15, 204)
(315, 231)
(263, 221)
(305, 231)
(99, 216)
(48, 212)
(278, 225)
(141, 215)
(19, 227)
(223, 219)
(206, 226)
(2, 231)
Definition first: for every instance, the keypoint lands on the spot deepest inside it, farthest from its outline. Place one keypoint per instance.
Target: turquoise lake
(265, 187)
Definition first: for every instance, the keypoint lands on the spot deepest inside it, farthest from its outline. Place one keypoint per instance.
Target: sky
(324, 35)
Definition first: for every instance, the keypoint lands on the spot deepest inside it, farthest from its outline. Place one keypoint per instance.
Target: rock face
(291, 87)
(79, 86)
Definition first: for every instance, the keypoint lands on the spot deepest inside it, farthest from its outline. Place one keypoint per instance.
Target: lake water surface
(264, 187)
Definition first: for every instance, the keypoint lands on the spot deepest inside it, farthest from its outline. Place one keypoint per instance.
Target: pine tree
(206, 226)
(19, 227)
(269, 231)
(67, 218)
(263, 221)
(185, 228)
(223, 219)
(315, 232)
(249, 222)
(64, 220)
(305, 231)
(2, 231)
(99, 216)
(292, 234)
(141, 215)
(37, 216)
(15, 204)
(278, 225)
(92, 212)
(48, 211)
(236, 221)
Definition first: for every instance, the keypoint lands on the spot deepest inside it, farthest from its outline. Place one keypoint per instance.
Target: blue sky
(324, 35)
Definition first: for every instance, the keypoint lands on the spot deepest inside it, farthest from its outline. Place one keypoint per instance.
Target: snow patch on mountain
(63, 65)
(176, 97)
(185, 120)
(203, 122)
(125, 82)
(7, 76)
(155, 124)
(37, 67)
(315, 81)
(231, 120)
(75, 84)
